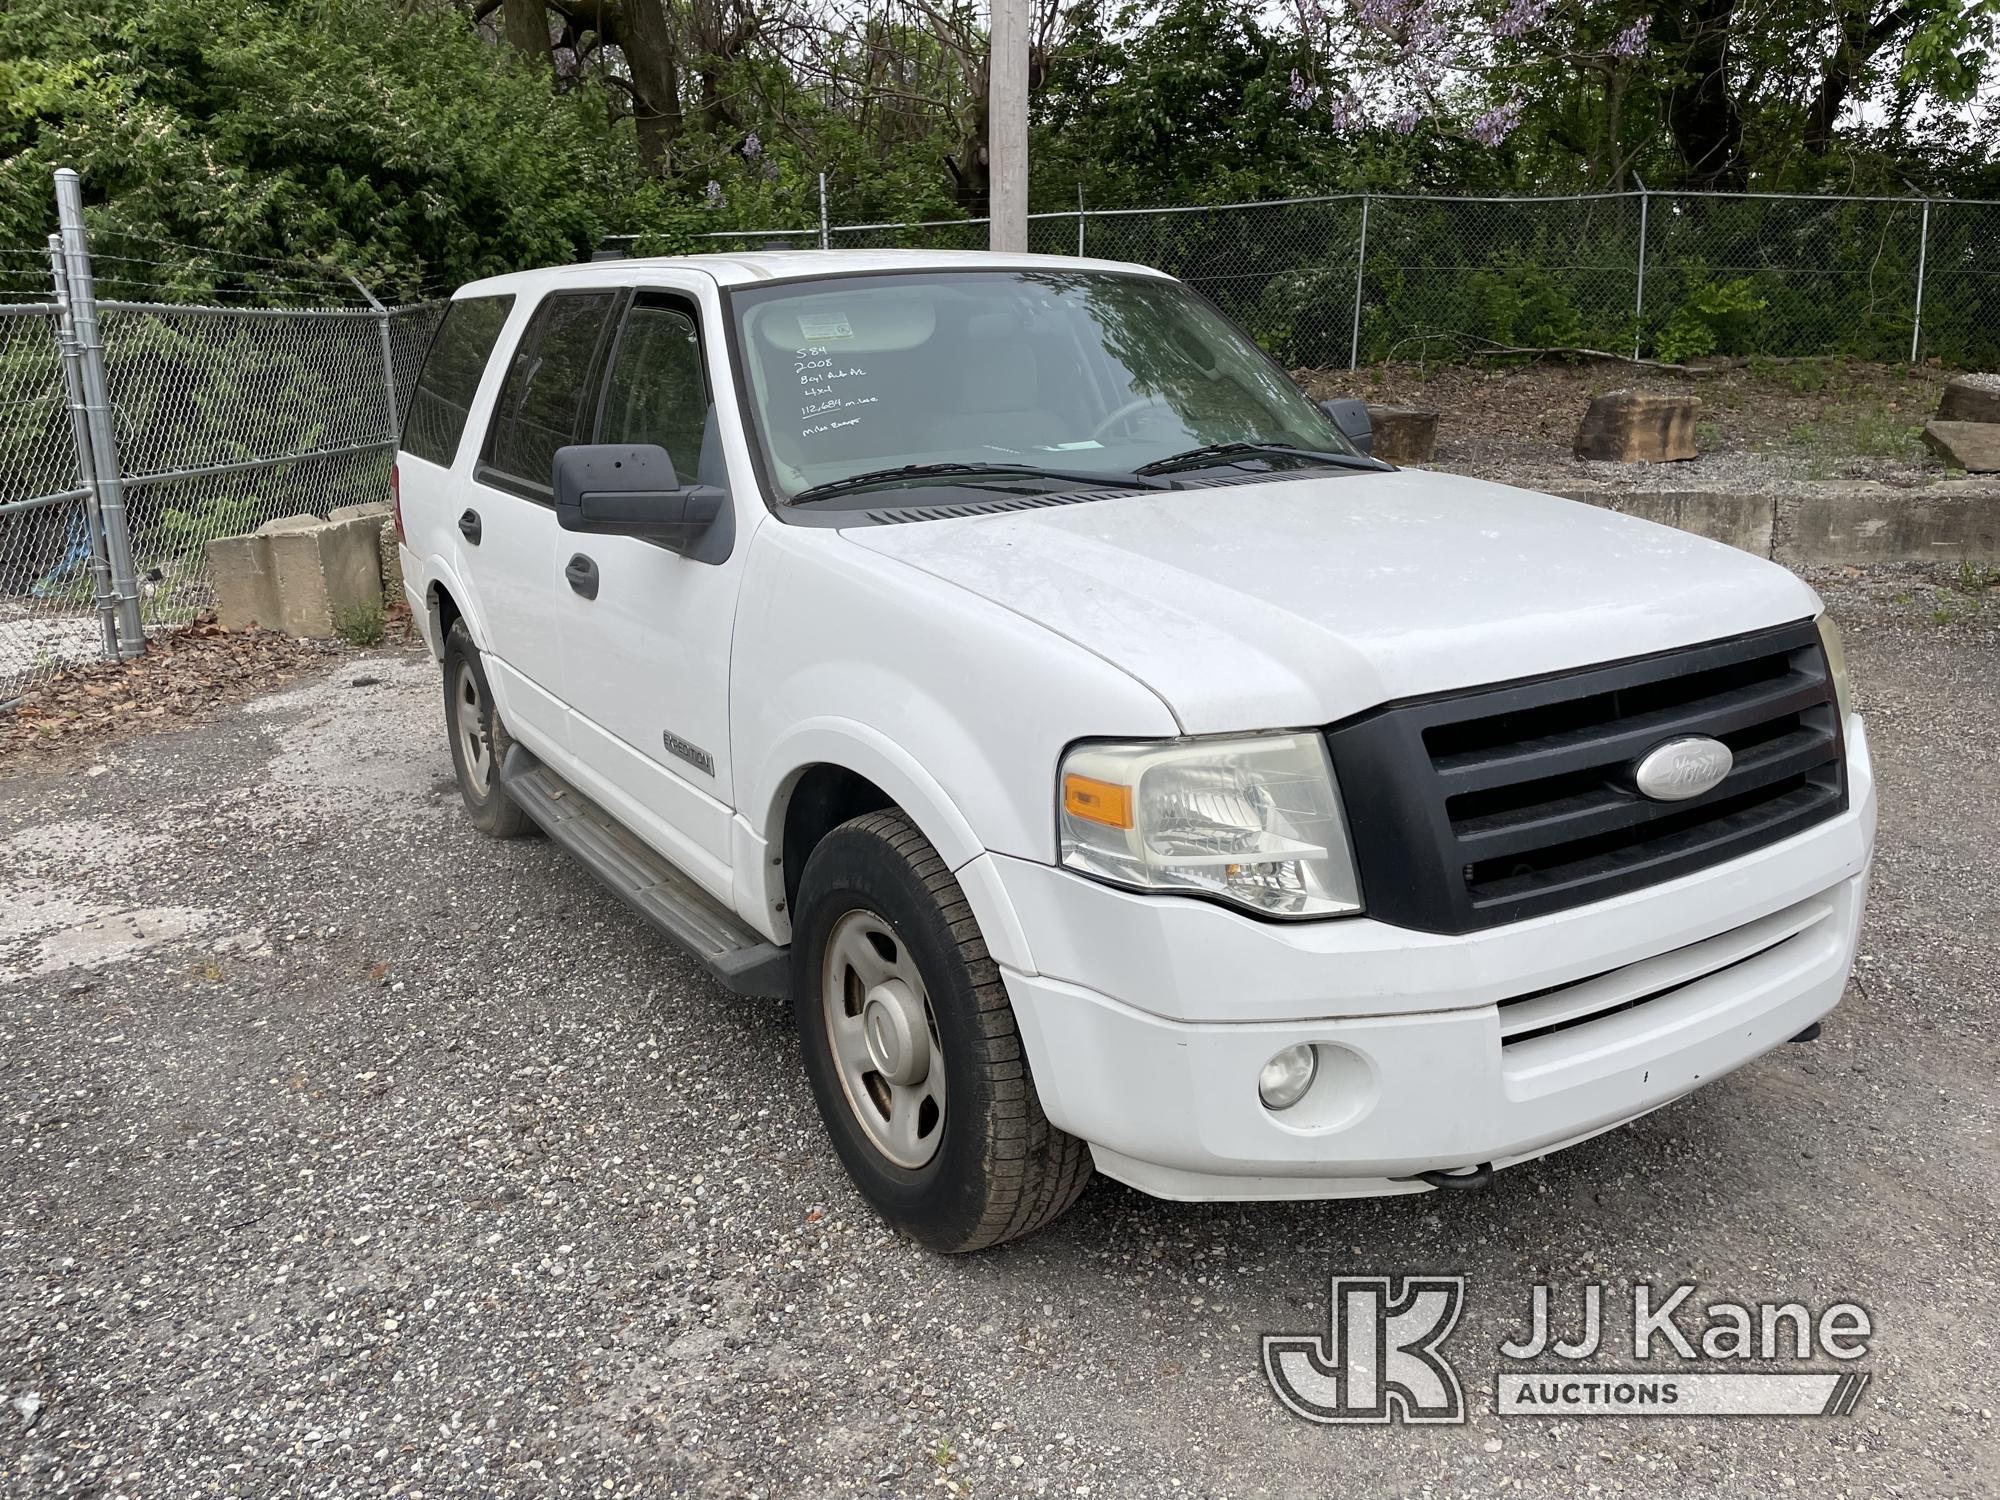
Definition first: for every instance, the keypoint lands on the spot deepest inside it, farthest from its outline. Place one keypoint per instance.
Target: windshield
(1083, 372)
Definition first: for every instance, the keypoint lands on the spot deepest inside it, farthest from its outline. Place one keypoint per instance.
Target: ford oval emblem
(1683, 768)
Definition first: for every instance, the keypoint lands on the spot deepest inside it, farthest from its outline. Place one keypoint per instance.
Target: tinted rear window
(443, 398)
(551, 386)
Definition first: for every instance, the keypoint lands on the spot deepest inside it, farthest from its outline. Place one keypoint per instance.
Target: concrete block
(1403, 434)
(1970, 398)
(1865, 523)
(349, 512)
(1971, 446)
(297, 574)
(1744, 521)
(1637, 427)
(246, 586)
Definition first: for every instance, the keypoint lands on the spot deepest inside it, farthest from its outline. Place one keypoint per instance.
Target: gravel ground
(346, 1153)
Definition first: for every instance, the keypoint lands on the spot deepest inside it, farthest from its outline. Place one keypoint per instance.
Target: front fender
(868, 752)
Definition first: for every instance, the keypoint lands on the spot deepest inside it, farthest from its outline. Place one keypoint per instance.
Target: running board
(739, 957)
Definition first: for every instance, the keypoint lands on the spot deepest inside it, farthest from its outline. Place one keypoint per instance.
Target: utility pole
(1007, 125)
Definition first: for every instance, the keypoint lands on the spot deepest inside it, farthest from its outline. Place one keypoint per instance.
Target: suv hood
(1301, 601)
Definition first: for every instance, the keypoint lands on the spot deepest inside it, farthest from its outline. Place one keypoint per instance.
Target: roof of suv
(786, 265)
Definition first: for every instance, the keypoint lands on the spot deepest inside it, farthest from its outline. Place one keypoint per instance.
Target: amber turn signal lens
(1098, 801)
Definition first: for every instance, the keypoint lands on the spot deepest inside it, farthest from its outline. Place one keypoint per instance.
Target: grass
(1976, 578)
(1879, 433)
(362, 624)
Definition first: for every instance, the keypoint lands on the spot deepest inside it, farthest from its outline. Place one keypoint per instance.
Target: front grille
(1480, 808)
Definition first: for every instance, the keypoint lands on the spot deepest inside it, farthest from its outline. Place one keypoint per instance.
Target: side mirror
(1350, 415)
(631, 489)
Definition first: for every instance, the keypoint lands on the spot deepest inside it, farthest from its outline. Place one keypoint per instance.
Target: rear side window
(443, 397)
(549, 398)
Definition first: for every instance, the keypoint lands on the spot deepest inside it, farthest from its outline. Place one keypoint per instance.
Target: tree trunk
(650, 53)
(526, 26)
(1702, 112)
(1859, 41)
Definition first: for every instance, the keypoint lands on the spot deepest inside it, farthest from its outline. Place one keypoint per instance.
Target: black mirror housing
(632, 489)
(1350, 415)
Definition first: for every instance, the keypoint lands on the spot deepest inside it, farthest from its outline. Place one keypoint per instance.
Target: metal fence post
(110, 478)
(822, 211)
(1639, 297)
(1079, 220)
(1923, 254)
(70, 357)
(1360, 262)
(391, 417)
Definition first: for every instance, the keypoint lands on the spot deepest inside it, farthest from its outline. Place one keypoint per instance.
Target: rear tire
(479, 740)
(912, 1048)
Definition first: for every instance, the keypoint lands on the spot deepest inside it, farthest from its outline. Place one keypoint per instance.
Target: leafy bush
(1711, 318)
(1519, 304)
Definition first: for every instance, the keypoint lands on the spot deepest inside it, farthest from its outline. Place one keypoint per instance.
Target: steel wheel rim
(469, 724)
(883, 1035)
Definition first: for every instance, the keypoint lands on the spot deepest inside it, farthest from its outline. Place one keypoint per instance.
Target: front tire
(479, 740)
(912, 1048)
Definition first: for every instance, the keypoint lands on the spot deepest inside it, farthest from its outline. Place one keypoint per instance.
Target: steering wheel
(1129, 409)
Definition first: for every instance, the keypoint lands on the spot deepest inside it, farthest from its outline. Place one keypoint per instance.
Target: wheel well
(445, 611)
(826, 796)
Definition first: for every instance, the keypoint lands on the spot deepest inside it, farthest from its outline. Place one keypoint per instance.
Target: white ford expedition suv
(999, 657)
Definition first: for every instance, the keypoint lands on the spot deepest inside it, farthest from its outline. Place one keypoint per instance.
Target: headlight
(1255, 821)
(1836, 665)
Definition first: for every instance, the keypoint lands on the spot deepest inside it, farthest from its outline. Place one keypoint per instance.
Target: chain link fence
(210, 422)
(228, 418)
(45, 582)
(219, 418)
(1359, 278)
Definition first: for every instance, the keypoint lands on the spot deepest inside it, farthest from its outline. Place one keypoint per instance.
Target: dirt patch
(1765, 425)
(182, 679)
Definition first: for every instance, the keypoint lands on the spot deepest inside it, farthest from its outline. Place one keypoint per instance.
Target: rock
(1970, 398)
(1638, 427)
(1971, 446)
(1404, 434)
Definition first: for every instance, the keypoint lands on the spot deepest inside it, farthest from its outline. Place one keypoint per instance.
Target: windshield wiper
(1194, 456)
(875, 477)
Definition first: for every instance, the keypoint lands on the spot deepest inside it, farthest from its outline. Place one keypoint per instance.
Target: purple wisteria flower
(1304, 95)
(1345, 112)
(1632, 40)
(752, 147)
(1520, 17)
(1387, 15)
(713, 193)
(1406, 121)
(1426, 32)
(1493, 127)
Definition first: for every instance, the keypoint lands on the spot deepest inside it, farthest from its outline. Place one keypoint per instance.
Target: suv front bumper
(1148, 1019)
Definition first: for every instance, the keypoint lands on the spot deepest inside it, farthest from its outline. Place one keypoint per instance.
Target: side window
(550, 390)
(443, 397)
(656, 392)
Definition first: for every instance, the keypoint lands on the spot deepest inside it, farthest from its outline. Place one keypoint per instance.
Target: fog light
(1287, 1076)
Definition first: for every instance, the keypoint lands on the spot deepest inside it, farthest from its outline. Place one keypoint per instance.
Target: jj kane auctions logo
(1382, 1359)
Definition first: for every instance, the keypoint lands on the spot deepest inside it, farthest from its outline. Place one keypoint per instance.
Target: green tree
(352, 133)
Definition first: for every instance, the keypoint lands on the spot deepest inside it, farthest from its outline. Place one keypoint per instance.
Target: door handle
(469, 527)
(582, 575)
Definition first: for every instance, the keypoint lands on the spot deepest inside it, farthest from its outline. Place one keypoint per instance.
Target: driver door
(645, 632)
